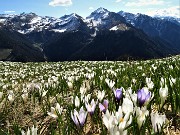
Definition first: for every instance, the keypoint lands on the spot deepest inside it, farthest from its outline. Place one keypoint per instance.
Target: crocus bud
(143, 96)
(163, 92)
(118, 94)
(77, 102)
(103, 107)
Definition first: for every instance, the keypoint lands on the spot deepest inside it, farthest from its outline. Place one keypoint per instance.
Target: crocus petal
(118, 94)
(102, 108)
(105, 103)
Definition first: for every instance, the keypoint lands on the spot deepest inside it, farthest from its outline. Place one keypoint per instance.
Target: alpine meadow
(90, 67)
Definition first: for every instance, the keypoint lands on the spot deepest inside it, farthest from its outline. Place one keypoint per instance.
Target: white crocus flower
(59, 108)
(44, 93)
(11, 96)
(70, 85)
(83, 90)
(123, 121)
(28, 132)
(101, 95)
(163, 82)
(55, 111)
(87, 98)
(172, 81)
(108, 120)
(33, 131)
(149, 83)
(110, 83)
(77, 102)
(157, 121)
(127, 105)
(130, 95)
(141, 114)
(163, 92)
(23, 132)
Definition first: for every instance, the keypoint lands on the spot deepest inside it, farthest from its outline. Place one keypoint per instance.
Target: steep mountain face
(64, 45)
(15, 47)
(120, 44)
(103, 19)
(156, 27)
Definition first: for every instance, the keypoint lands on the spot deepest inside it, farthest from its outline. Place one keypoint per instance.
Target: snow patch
(60, 31)
(114, 28)
(2, 20)
(35, 20)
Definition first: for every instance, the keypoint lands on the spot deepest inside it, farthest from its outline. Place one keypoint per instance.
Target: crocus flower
(91, 107)
(163, 92)
(172, 81)
(103, 107)
(79, 118)
(143, 96)
(100, 95)
(122, 120)
(33, 131)
(70, 85)
(157, 121)
(11, 96)
(108, 120)
(141, 114)
(110, 83)
(55, 110)
(149, 83)
(118, 94)
(77, 102)
(132, 96)
(127, 105)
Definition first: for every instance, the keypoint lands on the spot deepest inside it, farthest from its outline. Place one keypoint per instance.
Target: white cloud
(91, 8)
(171, 11)
(140, 3)
(55, 3)
(118, 0)
(8, 12)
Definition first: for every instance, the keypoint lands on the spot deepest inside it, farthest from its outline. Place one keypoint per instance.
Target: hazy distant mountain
(167, 29)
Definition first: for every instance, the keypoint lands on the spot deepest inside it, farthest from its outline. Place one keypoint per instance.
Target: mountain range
(103, 35)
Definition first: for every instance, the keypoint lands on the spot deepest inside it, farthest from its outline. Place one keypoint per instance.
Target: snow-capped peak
(99, 13)
(101, 10)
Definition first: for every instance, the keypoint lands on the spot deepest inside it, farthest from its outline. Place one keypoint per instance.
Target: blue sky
(57, 8)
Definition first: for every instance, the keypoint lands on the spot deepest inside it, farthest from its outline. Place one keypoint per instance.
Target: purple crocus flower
(118, 94)
(103, 107)
(79, 118)
(143, 96)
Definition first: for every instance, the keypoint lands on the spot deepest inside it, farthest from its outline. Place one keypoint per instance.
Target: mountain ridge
(72, 37)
